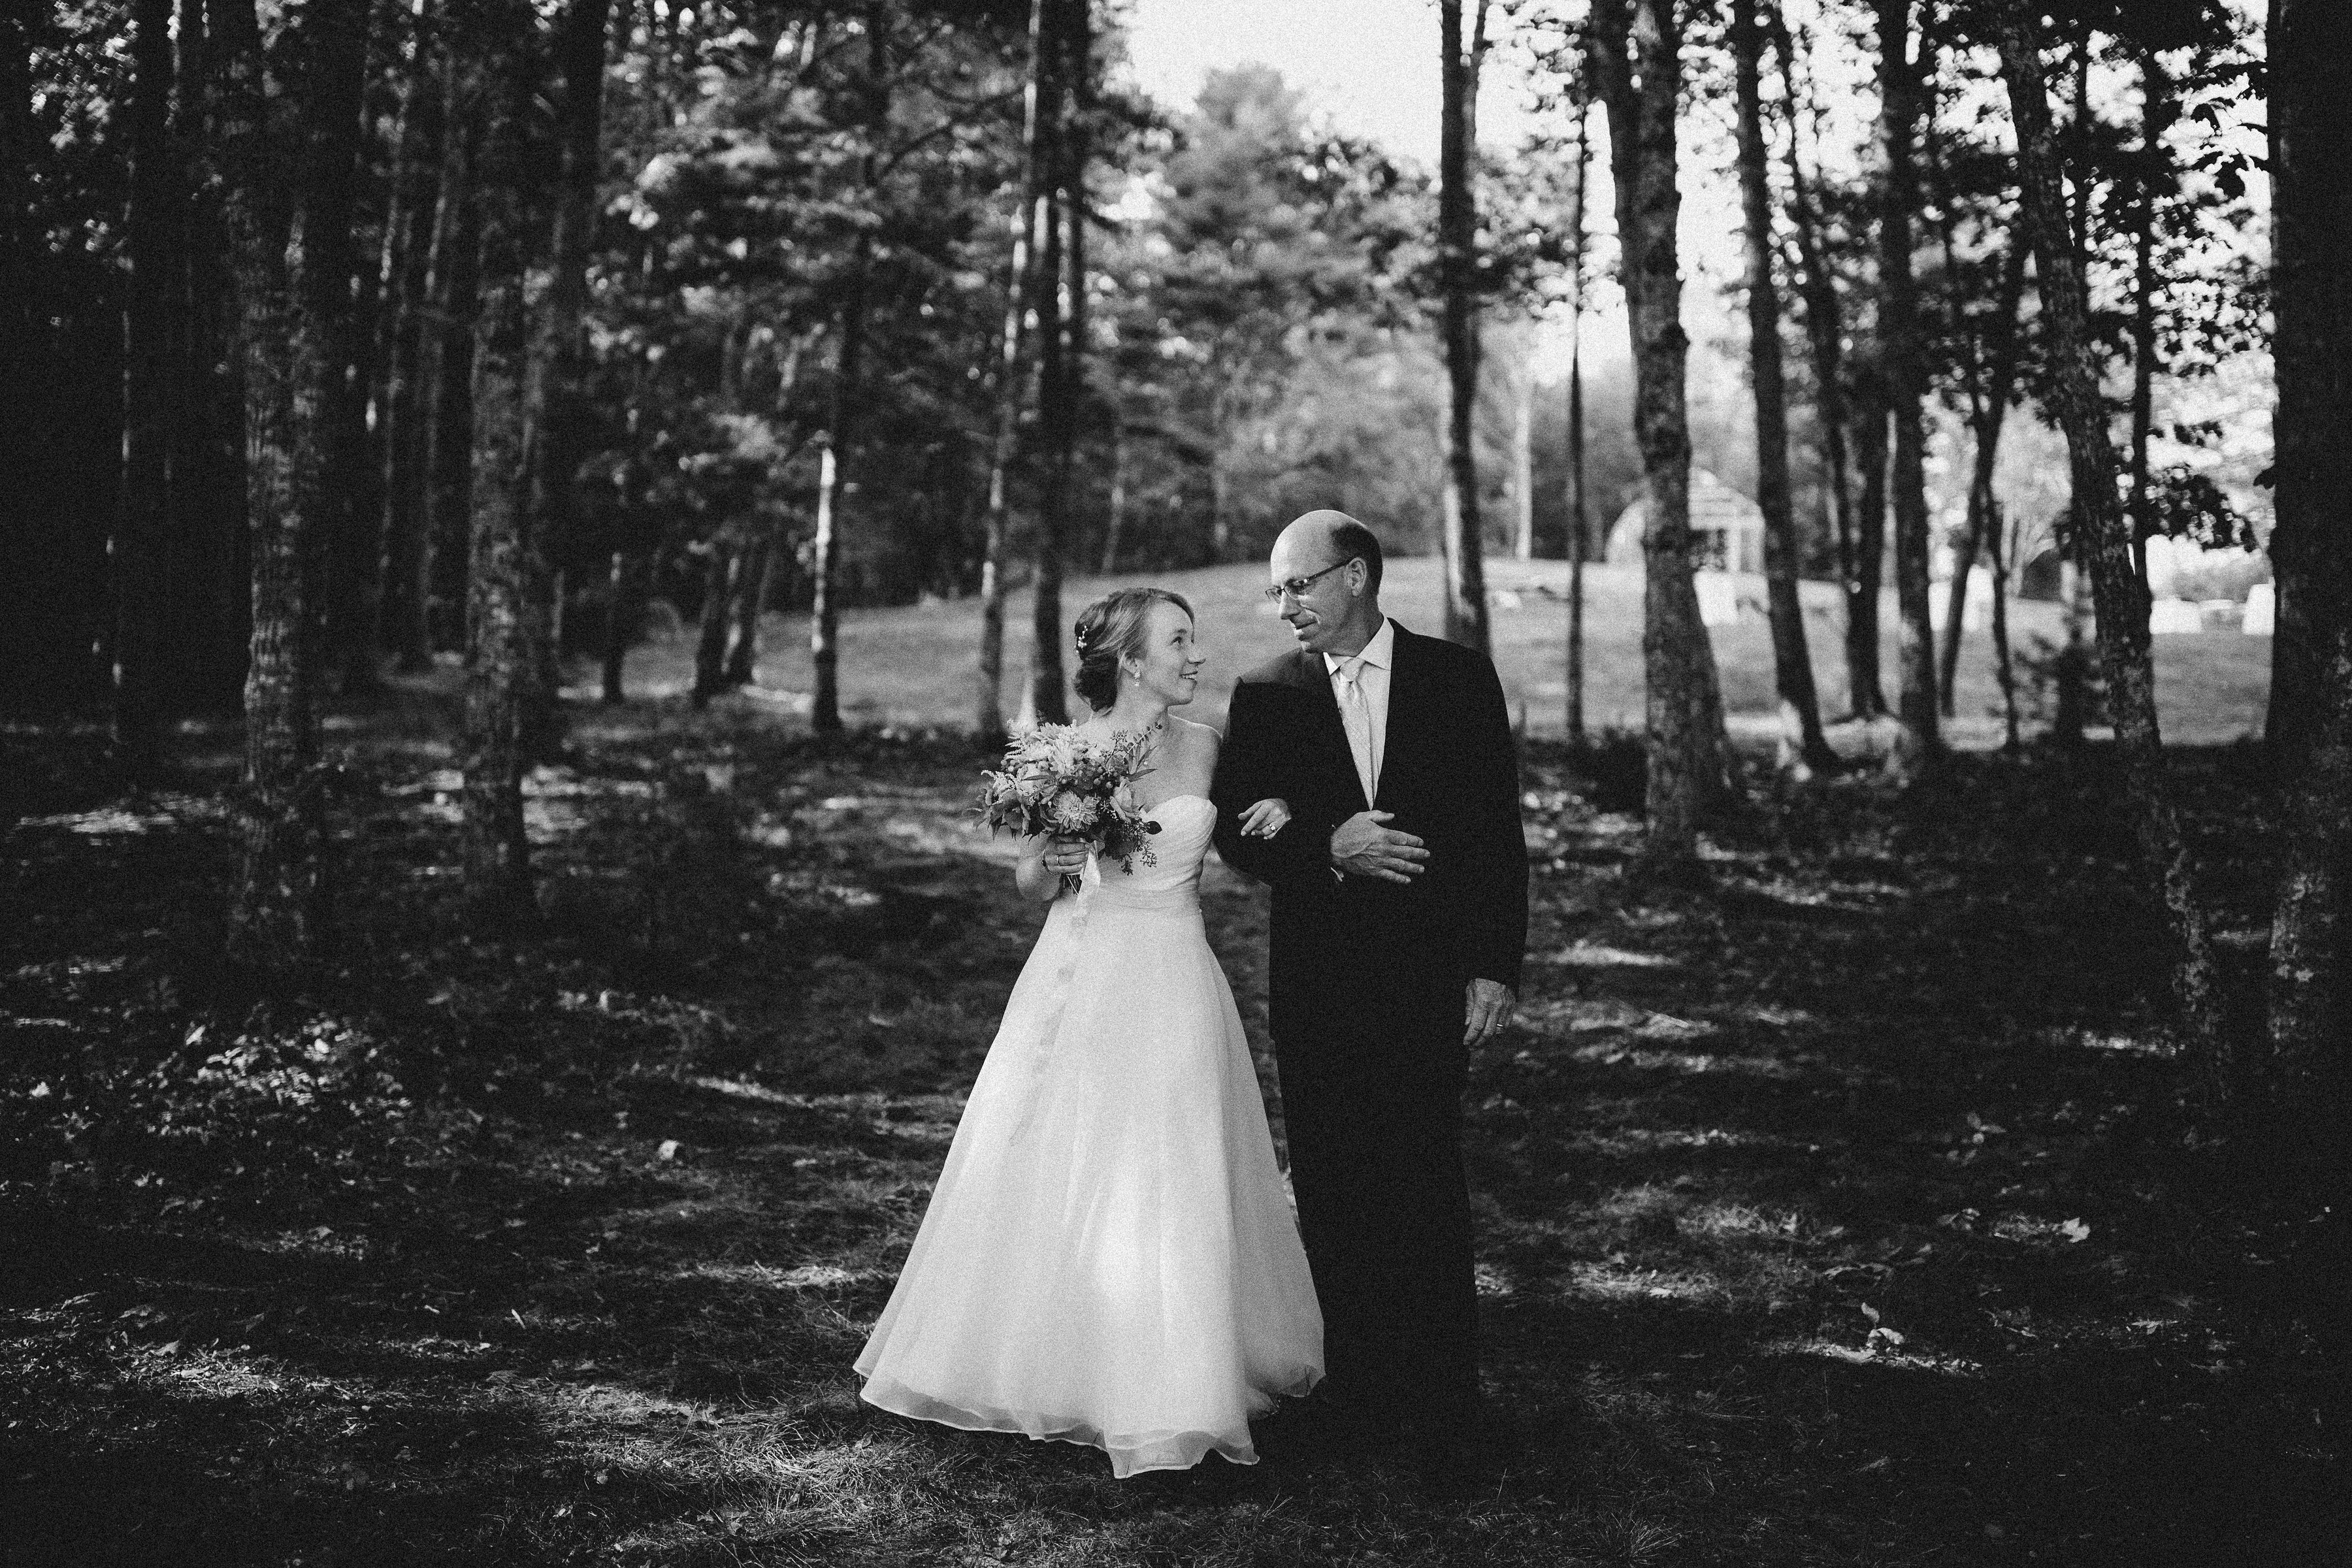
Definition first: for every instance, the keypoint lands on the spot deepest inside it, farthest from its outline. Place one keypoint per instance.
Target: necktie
(1355, 717)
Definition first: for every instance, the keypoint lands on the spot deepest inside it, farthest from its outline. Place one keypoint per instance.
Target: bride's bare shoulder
(1195, 734)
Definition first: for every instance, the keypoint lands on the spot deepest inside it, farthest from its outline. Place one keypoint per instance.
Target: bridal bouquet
(1056, 781)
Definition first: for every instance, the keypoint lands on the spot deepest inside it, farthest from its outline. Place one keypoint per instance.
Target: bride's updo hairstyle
(1112, 629)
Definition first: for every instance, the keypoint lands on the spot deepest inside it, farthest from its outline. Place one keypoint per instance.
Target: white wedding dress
(1109, 1256)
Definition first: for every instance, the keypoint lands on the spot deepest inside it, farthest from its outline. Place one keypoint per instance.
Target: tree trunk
(758, 588)
(504, 561)
(1578, 546)
(1825, 334)
(2070, 670)
(1792, 664)
(825, 608)
(1580, 528)
(282, 352)
(1046, 702)
(17, 138)
(1904, 364)
(1965, 549)
(430, 232)
(1634, 53)
(1060, 385)
(399, 624)
(23, 345)
(2105, 548)
(623, 605)
(362, 466)
(553, 408)
(1987, 413)
(338, 63)
(2073, 669)
(2156, 114)
(20, 323)
(2311, 548)
(1523, 460)
(2004, 673)
(824, 618)
(721, 571)
(454, 288)
(1457, 240)
(1867, 700)
(143, 517)
(2310, 1013)
(750, 599)
(988, 707)
(211, 558)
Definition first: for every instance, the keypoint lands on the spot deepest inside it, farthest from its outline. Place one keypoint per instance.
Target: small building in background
(1729, 529)
(2262, 611)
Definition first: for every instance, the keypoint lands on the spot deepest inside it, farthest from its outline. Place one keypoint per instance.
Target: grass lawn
(914, 667)
(1830, 1217)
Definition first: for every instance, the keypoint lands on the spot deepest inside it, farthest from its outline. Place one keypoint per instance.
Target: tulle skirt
(1109, 1256)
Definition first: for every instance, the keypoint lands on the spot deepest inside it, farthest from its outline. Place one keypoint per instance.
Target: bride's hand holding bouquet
(1061, 785)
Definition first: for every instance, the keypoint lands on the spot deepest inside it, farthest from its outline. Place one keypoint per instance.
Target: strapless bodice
(1172, 877)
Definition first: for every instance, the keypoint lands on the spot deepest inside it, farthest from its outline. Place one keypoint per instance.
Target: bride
(1109, 1255)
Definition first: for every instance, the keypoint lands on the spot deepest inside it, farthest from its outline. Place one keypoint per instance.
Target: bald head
(1323, 536)
(1335, 563)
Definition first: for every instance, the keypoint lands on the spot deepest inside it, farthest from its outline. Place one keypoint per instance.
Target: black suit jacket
(1449, 772)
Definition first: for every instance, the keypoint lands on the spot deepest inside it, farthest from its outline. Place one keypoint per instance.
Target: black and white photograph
(1175, 784)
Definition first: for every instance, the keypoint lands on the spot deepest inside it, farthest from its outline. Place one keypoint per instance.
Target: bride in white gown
(1109, 1256)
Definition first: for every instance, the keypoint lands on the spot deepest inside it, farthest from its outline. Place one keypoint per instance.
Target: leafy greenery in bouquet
(1056, 781)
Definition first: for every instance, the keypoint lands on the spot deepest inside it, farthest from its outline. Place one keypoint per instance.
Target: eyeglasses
(1296, 586)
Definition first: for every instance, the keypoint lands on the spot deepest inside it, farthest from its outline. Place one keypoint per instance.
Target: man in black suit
(1399, 913)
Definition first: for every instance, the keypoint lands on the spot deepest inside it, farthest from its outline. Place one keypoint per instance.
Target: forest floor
(1834, 1214)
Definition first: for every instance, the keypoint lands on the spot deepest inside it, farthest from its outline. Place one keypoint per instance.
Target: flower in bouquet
(1057, 780)
(1074, 815)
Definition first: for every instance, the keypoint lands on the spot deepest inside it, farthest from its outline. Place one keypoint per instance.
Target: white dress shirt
(1370, 669)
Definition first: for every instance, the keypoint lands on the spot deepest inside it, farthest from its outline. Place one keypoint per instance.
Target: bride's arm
(1038, 874)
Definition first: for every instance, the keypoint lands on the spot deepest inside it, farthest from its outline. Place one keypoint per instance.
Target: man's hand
(1360, 846)
(1490, 1004)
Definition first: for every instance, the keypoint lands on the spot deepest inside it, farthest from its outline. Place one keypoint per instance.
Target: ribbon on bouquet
(1072, 936)
(1082, 905)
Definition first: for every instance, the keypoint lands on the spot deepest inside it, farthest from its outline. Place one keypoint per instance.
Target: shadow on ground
(1833, 1216)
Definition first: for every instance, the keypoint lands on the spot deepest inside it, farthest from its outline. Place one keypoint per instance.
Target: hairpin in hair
(1082, 632)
